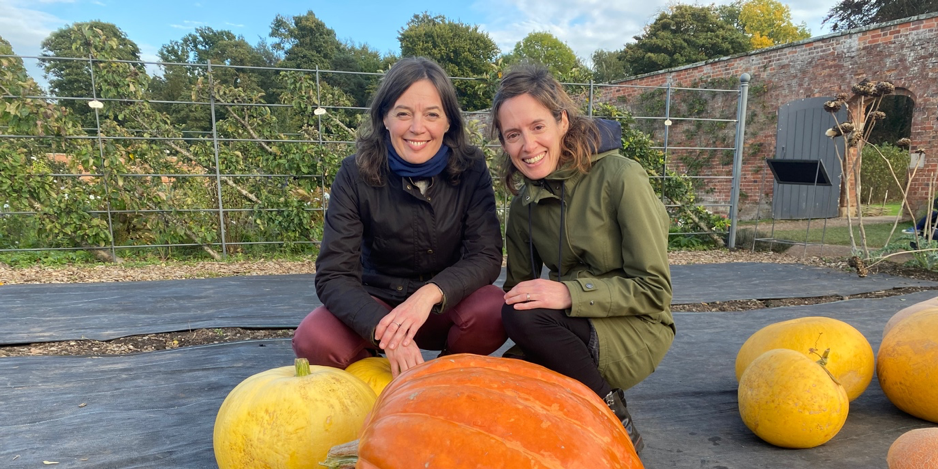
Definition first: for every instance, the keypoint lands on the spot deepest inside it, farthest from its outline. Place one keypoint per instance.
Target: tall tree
(768, 23)
(608, 66)
(683, 35)
(544, 48)
(224, 49)
(362, 59)
(850, 14)
(305, 41)
(462, 50)
(72, 78)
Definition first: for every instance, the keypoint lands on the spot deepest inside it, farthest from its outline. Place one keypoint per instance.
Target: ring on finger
(528, 297)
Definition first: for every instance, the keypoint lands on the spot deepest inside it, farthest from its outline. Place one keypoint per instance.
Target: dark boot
(616, 402)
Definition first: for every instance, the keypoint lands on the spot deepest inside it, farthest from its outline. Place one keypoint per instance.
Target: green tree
(72, 78)
(462, 50)
(305, 41)
(224, 50)
(544, 48)
(362, 59)
(768, 23)
(683, 35)
(608, 66)
(848, 14)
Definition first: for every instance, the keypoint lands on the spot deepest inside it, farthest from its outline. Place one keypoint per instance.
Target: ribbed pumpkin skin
(374, 371)
(851, 358)
(906, 312)
(915, 449)
(907, 365)
(469, 411)
(275, 419)
(788, 400)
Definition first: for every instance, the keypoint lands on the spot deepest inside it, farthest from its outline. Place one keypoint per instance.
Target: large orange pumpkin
(465, 410)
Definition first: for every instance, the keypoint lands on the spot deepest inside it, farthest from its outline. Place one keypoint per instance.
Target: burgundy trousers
(472, 326)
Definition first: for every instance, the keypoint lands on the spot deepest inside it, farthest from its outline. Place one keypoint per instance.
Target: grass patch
(876, 234)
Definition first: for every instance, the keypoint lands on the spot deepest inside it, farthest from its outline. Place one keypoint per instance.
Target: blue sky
(585, 25)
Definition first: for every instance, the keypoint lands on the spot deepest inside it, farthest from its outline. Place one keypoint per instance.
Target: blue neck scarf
(428, 169)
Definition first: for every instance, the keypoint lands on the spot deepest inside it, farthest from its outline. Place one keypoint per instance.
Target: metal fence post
(738, 157)
(95, 105)
(221, 205)
(589, 104)
(667, 128)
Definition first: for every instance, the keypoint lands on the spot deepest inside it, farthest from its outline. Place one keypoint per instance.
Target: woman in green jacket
(590, 216)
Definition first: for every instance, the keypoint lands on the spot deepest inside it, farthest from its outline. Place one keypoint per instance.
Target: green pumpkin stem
(343, 456)
(823, 360)
(302, 367)
(823, 363)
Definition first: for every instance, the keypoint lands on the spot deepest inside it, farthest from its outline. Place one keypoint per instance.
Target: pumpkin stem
(302, 367)
(823, 363)
(823, 360)
(343, 456)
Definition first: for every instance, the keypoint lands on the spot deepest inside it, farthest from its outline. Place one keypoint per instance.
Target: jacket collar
(549, 187)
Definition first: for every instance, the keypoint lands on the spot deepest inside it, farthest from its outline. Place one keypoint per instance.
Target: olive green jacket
(613, 259)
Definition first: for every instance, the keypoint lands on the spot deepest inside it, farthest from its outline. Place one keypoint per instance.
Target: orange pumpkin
(907, 365)
(906, 312)
(476, 411)
(915, 449)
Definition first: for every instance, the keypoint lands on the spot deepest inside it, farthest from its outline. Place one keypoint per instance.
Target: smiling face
(417, 123)
(531, 135)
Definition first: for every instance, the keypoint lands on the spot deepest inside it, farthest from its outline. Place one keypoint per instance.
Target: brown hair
(372, 154)
(582, 138)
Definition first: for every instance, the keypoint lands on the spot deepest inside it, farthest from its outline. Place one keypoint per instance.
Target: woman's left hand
(401, 324)
(539, 293)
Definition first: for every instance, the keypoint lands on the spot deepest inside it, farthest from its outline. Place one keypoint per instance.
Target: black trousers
(556, 341)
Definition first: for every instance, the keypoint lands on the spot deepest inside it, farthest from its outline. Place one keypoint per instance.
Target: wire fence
(208, 157)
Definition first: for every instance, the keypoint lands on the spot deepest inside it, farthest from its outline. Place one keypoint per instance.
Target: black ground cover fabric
(158, 409)
(104, 311)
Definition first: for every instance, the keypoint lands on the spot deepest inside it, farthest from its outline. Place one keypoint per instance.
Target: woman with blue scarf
(411, 243)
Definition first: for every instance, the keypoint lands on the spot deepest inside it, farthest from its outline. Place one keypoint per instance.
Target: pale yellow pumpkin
(374, 371)
(906, 312)
(851, 358)
(907, 365)
(289, 417)
(914, 449)
(789, 400)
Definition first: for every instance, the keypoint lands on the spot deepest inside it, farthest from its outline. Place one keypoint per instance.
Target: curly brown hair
(371, 150)
(582, 138)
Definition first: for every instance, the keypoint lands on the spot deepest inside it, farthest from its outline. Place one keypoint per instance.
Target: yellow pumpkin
(914, 449)
(907, 365)
(788, 400)
(289, 417)
(374, 371)
(851, 358)
(906, 312)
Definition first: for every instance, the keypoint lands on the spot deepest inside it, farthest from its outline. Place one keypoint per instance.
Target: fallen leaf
(47, 463)
(82, 404)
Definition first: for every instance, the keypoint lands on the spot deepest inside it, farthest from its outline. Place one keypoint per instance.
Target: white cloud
(589, 25)
(186, 24)
(25, 28)
(235, 25)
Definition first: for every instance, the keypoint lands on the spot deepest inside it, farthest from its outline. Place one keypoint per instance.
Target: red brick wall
(904, 53)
